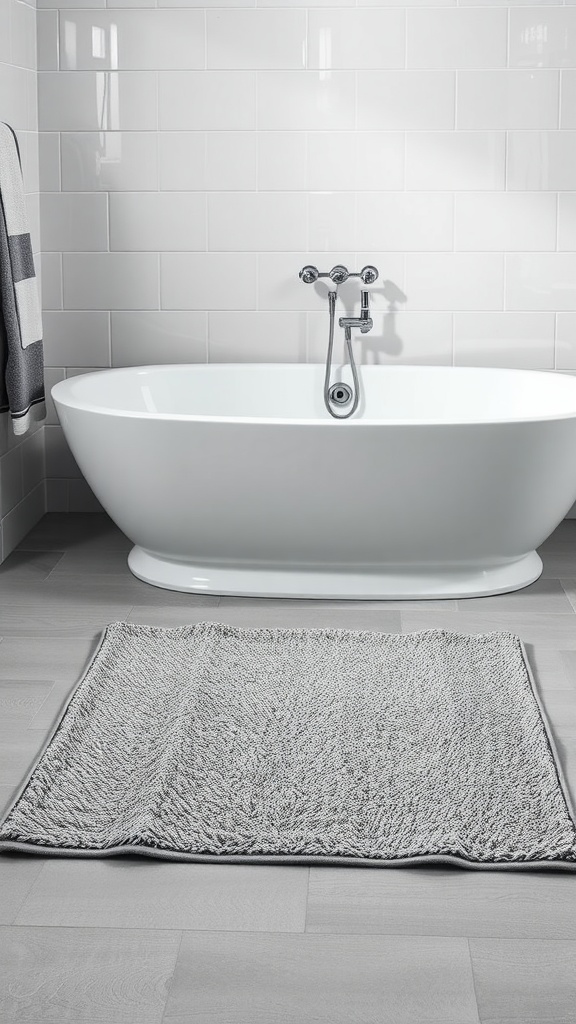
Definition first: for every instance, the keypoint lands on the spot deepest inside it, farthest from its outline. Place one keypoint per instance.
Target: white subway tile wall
(193, 156)
(22, 469)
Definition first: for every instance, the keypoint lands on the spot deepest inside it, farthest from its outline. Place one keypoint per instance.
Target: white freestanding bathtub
(233, 479)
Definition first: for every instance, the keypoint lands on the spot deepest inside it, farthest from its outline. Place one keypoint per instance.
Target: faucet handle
(309, 274)
(339, 274)
(369, 274)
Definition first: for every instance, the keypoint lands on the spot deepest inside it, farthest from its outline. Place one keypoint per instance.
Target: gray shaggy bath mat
(291, 745)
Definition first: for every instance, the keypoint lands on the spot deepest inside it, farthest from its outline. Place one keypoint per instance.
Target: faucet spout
(365, 317)
(364, 322)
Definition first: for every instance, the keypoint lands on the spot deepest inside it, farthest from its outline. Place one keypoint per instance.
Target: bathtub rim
(66, 401)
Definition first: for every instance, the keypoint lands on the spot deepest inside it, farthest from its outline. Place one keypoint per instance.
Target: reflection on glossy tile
(541, 160)
(107, 161)
(133, 40)
(542, 38)
(99, 101)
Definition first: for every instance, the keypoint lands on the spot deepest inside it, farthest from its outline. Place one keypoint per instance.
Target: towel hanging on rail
(21, 354)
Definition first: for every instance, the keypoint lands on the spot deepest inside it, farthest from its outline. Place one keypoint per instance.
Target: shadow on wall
(388, 343)
(383, 342)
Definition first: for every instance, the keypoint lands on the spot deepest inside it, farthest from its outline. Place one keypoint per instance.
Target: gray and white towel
(21, 354)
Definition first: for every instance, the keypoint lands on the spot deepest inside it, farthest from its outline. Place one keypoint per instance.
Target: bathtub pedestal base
(395, 585)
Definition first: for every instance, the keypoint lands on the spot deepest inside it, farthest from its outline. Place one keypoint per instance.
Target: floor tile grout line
(473, 976)
(572, 600)
(204, 931)
(58, 560)
(171, 979)
(39, 709)
(275, 931)
(43, 867)
(307, 901)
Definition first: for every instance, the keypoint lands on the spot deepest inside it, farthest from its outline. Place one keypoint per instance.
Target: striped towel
(21, 355)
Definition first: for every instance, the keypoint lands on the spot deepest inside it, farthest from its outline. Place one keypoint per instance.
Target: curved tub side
(296, 498)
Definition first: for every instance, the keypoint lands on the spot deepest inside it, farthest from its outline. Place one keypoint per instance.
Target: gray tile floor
(130, 941)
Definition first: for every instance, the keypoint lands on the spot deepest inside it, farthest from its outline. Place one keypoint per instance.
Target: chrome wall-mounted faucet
(341, 394)
(338, 274)
(363, 322)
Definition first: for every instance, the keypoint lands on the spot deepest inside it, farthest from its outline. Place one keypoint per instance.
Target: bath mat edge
(562, 780)
(52, 733)
(11, 846)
